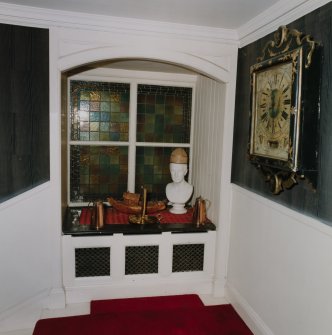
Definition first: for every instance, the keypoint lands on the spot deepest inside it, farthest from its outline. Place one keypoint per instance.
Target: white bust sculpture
(179, 191)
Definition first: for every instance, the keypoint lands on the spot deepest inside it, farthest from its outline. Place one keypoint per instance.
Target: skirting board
(56, 299)
(84, 294)
(249, 316)
(26, 314)
(219, 288)
(23, 315)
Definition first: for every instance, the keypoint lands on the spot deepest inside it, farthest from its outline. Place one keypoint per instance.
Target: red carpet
(174, 315)
(145, 304)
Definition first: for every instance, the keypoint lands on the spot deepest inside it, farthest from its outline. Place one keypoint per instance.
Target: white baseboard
(56, 299)
(218, 288)
(27, 313)
(84, 294)
(246, 312)
(23, 315)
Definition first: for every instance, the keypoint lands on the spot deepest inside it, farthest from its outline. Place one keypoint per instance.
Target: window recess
(121, 134)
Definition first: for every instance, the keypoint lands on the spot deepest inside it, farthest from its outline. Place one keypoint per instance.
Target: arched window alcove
(212, 95)
(207, 117)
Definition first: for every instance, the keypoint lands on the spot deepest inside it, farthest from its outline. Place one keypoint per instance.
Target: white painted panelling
(117, 285)
(207, 146)
(280, 267)
(26, 259)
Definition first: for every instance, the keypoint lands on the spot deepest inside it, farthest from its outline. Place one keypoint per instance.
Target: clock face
(272, 112)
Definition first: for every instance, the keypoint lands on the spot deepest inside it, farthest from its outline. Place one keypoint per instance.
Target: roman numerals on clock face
(273, 107)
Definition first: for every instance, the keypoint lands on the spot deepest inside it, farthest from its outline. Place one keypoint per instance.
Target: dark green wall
(24, 109)
(301, 198)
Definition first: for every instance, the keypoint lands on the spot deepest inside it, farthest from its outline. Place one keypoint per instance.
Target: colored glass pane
(95, 103)
(163, 114)
(97, 172)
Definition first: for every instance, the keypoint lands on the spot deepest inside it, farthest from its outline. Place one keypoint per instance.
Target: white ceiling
(228, 14)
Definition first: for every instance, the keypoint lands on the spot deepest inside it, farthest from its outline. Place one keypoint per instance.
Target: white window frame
(133, 78)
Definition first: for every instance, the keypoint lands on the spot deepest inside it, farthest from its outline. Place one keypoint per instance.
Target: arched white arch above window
(195, 63)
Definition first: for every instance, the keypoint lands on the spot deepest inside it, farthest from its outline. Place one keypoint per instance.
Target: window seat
(77, 223)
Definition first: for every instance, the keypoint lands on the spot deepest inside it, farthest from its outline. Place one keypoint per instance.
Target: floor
(79, 309)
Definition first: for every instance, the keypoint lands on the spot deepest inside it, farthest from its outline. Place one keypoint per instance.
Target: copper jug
(98, 214)
(199, 214)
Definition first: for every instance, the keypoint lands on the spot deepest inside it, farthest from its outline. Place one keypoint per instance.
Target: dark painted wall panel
(24, 109)
(301, 198)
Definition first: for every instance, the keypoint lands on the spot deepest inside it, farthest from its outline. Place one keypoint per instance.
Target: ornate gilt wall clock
(285, 109)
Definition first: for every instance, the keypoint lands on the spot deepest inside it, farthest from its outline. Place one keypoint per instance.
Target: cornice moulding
(47, 18)
(281, 13)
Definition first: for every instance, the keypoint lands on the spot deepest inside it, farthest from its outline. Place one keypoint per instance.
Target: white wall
(30, 275)
(25, 242)
(280, 268)
(207, 143)
(213, 124)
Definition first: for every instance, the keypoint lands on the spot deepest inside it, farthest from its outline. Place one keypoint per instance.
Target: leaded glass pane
(99, 111)
(163, 114)
(152, 170)
(97, 172)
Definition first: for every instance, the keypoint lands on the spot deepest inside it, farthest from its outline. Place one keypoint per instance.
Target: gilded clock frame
(303, 53)
(270, 159)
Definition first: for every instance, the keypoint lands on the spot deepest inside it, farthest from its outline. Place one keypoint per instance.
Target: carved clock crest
(285, 109)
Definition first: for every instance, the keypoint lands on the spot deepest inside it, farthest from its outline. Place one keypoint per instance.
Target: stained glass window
(97, 172)
(163, 114)
(99, 111)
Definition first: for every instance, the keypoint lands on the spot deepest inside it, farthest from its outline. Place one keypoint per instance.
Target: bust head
(178, 172)
(179, 191)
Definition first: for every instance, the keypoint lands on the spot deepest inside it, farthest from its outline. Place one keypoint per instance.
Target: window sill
(74, 228)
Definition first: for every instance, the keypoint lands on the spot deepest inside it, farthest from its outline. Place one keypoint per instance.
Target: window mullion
(132, 136)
